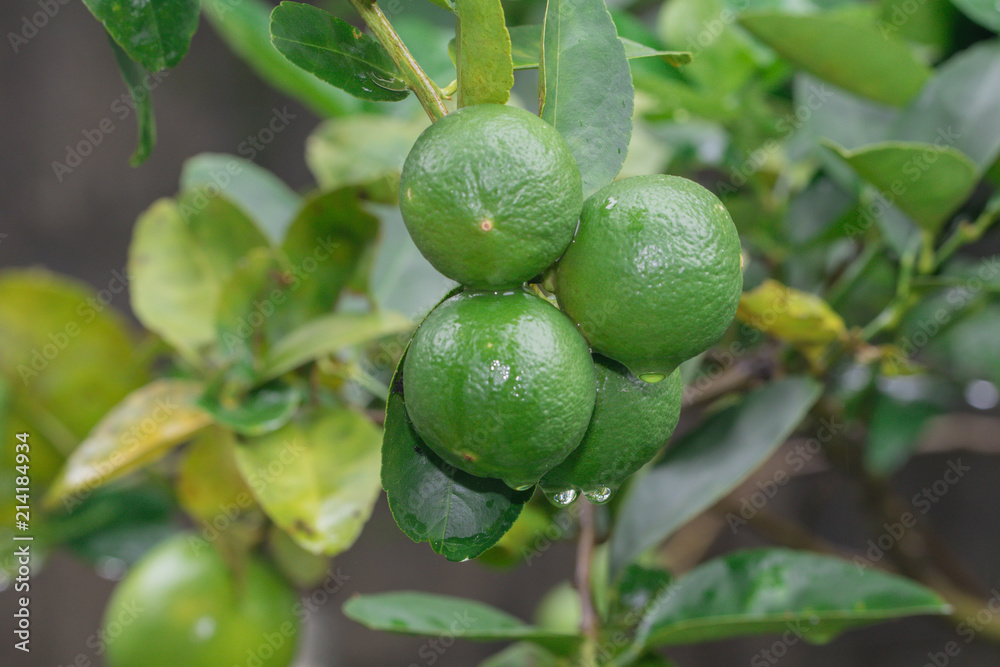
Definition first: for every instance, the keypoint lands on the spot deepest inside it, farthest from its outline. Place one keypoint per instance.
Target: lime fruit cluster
(502, 384)
(181, 604)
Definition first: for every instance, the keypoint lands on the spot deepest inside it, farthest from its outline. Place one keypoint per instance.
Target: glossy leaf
(362, 150)
(774, 591)
(845, 49)
(957, 106)
(324, 245)
(261, 411)
(136, 78)
(139, 430)
(893, 432)
(425, 614)
(316, 478)
(460, 515)
(336, 52)
(181, 255)
(261, 195)
(984, 12)
(585, 87)
(925, 181)
(330, 334)
(246, 27)
(485, 69)
(708, 463)
(156, 33)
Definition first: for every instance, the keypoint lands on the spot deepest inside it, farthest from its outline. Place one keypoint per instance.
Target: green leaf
(363, 150)
(585, 87)
(485, 69)
(249, 313)
(425, 614)
(893, 432)
(316, 478)
(155, 34)
(845, 49)
(336, 52)
(181, 255)
(958, 106)
(521, 654)
(773, 591)
(526, 47)
(263, 410)
(445, 4)
(460, 515)
(136, 432)
(137, 80)
(984, 12)
(708, 463)
(208, 483)
(926, 181)
(261, 195)
(246, 27)
(323, 245)
(330, 334)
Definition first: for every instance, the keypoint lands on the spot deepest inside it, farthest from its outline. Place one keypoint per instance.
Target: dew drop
(523, 487)
(562, 498)
(652, 378)
(600, 496)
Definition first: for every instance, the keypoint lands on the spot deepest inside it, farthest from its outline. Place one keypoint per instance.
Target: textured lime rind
(653, 276)
(183, 605)
(491, 195)
(632, 421)
(499, 385)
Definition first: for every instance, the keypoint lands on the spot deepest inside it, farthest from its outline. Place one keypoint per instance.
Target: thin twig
(589, 623)
(416, 79)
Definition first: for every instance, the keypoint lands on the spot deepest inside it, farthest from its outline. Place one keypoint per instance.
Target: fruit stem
(589, 624)
(416, 79)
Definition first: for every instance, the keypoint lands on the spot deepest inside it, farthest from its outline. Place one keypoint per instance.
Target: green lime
(491, 195)
(653, 276)
(499, 385)
(632, 420)
(182, 605)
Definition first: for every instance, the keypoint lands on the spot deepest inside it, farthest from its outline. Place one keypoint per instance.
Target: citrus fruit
(182, 605)
(499, 385)
(632, 420)
(490, 195)
(653, 276)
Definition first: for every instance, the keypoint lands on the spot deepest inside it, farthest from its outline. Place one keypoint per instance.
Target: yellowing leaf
(802, 319)
(139, 430)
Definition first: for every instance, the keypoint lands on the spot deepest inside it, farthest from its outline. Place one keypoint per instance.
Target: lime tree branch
(584, 561)
(422, 86)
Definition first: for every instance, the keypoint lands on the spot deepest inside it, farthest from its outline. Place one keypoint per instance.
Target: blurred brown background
(62, 83)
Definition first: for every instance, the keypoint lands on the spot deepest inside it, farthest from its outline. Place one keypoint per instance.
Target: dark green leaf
(708, 463)
(139, 86)
(317, 478)
(521, 654)
(983, 12)
(638, 587)
(585, 87)
(893, 432)
(261, 411)
(772, 591)
(260, 194)
(155, 33)
(246, 27)
(425, 614)
(485, 70)
(925, 181)
(845, 49)
(336, 52)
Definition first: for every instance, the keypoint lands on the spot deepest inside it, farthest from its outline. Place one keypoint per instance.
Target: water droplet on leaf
(562, 498)
(600, 496)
